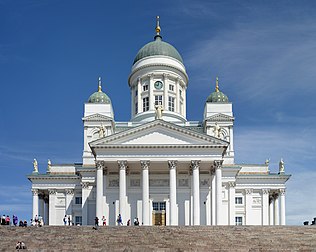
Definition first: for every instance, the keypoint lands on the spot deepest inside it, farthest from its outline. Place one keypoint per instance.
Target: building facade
(159, 166)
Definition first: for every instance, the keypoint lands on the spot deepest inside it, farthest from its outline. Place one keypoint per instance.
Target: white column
(231, 195)
(271, 210)
(41, 206)
(248, 195)
(213, 198)
(145, 184)
(69, 198)
(122, 184)
(173, 192)
(139, 96)
(177, 105)
(282, 206)
(195, 165)
(100, 165)
(35, 202)
(219, 197)
(52, 209)
(184, 102)
(151, 92)
(165, 92)
(46, 213)
(265, 206)
(84, 207)
(276, 210)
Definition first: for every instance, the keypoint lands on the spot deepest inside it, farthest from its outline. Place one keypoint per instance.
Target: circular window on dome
(158, 85)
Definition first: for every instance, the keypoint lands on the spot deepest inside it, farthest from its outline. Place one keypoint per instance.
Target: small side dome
(217, 96)
(99, 96)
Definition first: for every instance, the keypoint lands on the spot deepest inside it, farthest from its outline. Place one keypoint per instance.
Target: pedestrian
(96, 221)
(15, 220)
(3, 220)
(7, 220)
(65, 220)
(69, 220)
(119, 220)
(36, 220)
(128, 222)
(103, 221)
(136, 222)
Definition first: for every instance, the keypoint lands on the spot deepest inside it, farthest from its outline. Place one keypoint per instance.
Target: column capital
(100, 164)
(195, 164)
(265, 191)
(218, 164)
(282, 191)
(248, 191)
(70, 191)
(52, 191)
(85, 185)
(34, 191)
(122, 164)
(231, 183)
(172, 164)
(144, 164)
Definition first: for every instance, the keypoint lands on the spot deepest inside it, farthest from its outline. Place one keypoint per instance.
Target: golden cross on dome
(100, 87)
(158, 29)
(216, 88)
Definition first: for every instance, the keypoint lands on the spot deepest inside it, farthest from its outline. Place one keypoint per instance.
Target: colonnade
(277, 208)
(173, 208)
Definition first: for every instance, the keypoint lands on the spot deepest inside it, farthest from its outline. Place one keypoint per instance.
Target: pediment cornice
(220, 117)
(97, 117)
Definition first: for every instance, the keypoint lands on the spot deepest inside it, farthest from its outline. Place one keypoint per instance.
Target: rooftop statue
(101, 131)
(49, 166)
(159, 110)
(216, 130)
(35, 165)
(281, 166)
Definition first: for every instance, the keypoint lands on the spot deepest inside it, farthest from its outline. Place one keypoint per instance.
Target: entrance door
(159, 213)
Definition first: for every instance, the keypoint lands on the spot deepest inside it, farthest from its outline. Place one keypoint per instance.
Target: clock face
(158, 85)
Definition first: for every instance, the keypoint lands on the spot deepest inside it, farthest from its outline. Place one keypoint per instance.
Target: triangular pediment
(158, 133)
(220, 117)
(97, 117)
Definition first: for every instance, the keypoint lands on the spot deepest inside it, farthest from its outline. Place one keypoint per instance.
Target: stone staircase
(157, 238)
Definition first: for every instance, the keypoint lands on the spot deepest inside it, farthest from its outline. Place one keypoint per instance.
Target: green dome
(158, 47)
(99, 96)
(217, 96)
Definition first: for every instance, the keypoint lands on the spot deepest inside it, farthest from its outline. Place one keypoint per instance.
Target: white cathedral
(159, 167)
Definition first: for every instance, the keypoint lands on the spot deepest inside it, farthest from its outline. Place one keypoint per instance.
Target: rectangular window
(158, 99)
(238, 200)
(171, 87)
(238, 220)
(180, 92)
(136, 108)
(162, 206)
(78, 200)
(78, 220)
(171, 103)
(155, 206)
(145, 87)
(145, 104)
(136, 93)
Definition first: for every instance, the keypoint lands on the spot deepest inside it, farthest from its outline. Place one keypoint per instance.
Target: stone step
(199, 238)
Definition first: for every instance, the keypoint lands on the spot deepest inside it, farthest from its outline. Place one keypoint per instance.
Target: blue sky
(52, 52)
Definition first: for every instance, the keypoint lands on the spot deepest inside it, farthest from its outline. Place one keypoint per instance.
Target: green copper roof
(217, 96)
(99, 96)
(158, 47)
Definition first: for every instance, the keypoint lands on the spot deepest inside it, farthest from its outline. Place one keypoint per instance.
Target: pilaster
(52, 209)
(231, 195)
(248, 196)
(265, 206)
(84, 207)
(69, 202)
(100, 166)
